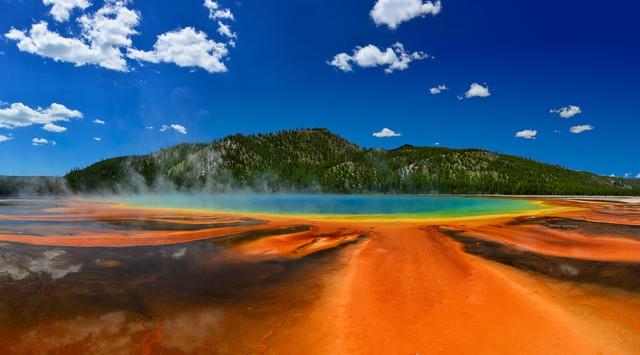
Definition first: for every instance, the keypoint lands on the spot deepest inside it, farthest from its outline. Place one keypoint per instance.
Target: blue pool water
(338, 205)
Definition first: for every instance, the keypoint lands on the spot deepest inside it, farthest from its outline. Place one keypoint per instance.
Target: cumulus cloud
(98, 121)
(185, 47)
(567, 112)
(477, 90)
(104, 34)
(386, 133)
(394, 12)
(438, 89)
(393, 58)
(176, 127)
(4, 138)
(97, 139)
(216, 12)
(581, 128)
(638, 176)
(61, 9)
(41, 141)
(19, 115)
(51, 127)
(527, 134)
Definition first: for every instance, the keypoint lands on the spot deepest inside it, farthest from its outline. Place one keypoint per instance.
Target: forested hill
(317, 160)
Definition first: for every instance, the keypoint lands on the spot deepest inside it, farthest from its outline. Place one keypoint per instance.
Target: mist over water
(334, 205)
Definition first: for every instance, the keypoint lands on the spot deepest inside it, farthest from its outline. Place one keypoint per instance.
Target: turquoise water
(338, 205)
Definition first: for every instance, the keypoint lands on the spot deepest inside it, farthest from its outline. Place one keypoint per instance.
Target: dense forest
(317, 160)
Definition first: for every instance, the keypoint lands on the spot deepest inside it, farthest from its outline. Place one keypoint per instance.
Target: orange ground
(407, 288)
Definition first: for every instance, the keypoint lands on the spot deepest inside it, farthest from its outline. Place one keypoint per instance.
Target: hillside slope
(317, 160)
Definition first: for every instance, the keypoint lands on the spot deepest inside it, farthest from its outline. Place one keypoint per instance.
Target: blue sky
(529, 57)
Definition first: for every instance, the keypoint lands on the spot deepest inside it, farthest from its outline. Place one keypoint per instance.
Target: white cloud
(51, 127)
(393, 12)
(148, 127)
(97, 139)
(61, 9)
(438, 89)
(225, 30)
(638, 176)
(176, 127)
(581, 128)
(41, 141)
(477, 90)
(527, 134)
(216, 12)
(185, 47)
(104, 34)
(627, 175)
(567, 112)
(98, 121)
(4, 138)
(386, 133)
(342, 62)
(393, 58)
(19, 115)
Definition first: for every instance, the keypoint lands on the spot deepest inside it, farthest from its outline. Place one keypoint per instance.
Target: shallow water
(338, 205)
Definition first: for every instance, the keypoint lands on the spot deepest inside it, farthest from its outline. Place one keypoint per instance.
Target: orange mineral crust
(122, 279)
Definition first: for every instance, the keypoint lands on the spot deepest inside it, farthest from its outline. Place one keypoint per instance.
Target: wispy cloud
(4, 138)
(51, 127)
(527, 134)
(581, 128)
(567, 112)
(217, 12)
(98, 121)
(97, 139)
(438, 89)
(41, 141)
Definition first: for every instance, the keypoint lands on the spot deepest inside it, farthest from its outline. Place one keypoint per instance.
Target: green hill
(317, 160)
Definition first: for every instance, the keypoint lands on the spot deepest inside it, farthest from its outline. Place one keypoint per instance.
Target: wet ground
(88, 277)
